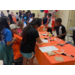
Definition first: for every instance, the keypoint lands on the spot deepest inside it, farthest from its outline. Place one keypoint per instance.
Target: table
(44, 59)
(40, 29)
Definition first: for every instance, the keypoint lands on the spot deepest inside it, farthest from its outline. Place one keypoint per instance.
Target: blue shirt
(44, 20)
(26, 18)
(6, 36)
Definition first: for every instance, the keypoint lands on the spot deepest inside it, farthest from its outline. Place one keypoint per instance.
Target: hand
(14, 39)
(46, 27)
(59, 36)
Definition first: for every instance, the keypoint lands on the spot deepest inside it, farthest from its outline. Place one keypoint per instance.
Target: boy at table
(18, 59)
(60, 29)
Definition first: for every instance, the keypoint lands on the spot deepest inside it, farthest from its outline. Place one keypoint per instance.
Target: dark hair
(45, 14)
(33, 14)
(23, 11)
(3, 24)
(35, 21)
(59, 20)
(10, 17)
(49, 15)
(7, 11)
(29, 11)
(16, 12)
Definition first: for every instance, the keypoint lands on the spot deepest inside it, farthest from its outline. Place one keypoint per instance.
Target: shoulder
(32, 30)
(62, 26)
(7, 30)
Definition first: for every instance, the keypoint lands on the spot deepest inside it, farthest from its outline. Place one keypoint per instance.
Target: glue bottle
(49, 36)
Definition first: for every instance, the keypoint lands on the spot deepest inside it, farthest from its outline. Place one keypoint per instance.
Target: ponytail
(25, 32)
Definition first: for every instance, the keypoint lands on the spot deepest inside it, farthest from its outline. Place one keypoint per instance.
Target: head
(58, 22)
(49, 15)
(35, 24)
(23, 11)
(28, 12)
(4, 23)
(14, 28)
(2, 12)
(16, 13)
(33, 15)
(7, 11)
(20, 24)
(45, 15)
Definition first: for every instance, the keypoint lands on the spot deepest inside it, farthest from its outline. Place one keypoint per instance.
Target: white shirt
(31, 19)
(50, 23)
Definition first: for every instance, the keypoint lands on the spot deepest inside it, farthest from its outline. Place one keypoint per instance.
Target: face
(57, 23)
(28, 14)
(15, 31)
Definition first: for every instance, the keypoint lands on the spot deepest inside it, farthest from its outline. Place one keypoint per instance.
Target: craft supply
(59, 59)
(57, 52)
(65, 43)
(50, 53)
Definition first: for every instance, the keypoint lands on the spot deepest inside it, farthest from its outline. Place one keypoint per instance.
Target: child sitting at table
(20, 24)
(16, 46)
(49, 23)
(60, 29)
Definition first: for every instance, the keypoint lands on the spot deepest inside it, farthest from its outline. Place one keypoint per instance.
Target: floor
(35, 62)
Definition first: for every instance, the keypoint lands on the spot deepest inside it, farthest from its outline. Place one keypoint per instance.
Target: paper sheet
(45, 41)
(48, 48)
(44, 29)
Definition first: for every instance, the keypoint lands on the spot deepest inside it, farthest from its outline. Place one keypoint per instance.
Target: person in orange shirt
(16, 46)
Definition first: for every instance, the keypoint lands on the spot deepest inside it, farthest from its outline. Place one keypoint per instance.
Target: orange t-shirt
(16, 47)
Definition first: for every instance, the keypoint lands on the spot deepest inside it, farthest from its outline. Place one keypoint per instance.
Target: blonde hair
(20, 23)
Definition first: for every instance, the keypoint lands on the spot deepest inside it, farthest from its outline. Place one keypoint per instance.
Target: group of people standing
(24, 50)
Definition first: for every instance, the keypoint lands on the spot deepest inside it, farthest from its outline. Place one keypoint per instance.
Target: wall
(63, 14)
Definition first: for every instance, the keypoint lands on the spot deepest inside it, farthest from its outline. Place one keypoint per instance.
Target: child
(33, 16)
(60, 29)
(45, 19)
(30, 36)
(20, 24)
(16, 46)
(17, 16)
(49, 23)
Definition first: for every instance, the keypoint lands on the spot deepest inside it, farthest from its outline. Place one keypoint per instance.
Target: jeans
(20, 17)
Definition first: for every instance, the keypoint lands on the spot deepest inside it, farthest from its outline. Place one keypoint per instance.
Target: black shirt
(60, 30)
(44, 20)
(29, 46)
(20, 13)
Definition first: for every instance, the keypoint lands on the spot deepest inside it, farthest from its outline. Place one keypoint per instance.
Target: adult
(12, 14)
(10, 17)
(6, 52)
(2, 14)
(30, 36)
(20, 14)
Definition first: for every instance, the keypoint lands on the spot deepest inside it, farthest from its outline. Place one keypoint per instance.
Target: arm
(38, 40)
(61, 35)
(11, 42)
(8, 37)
